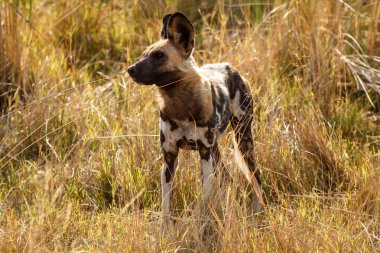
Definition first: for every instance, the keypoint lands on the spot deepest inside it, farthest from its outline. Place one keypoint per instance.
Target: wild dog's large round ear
(164, 29)
(181, 32)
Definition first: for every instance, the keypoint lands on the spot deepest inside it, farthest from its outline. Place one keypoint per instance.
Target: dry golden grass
(79, 152)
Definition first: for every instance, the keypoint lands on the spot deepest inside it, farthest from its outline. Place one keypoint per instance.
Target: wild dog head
(164, 61)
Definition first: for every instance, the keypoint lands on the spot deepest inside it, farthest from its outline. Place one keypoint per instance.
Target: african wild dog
(196, 104)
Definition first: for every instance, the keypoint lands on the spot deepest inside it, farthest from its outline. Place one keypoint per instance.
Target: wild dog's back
(238, 90)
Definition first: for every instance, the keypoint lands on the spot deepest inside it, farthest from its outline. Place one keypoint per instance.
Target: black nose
(132, 70)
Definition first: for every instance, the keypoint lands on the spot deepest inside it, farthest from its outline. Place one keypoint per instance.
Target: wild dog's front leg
(219, 167)
(167, 175)
(208, 170)
(168, 139)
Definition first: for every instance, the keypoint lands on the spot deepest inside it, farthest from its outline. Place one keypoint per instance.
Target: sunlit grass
(79, 149)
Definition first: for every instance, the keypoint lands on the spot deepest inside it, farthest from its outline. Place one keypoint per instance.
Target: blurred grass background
(79, 151)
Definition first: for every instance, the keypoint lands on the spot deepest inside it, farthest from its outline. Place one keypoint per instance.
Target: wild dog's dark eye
(158, 55)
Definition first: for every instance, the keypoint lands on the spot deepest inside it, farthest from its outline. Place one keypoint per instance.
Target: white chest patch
(184, 131)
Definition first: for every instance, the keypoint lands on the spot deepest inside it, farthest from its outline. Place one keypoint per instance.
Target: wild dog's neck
(186, 97)
(176, 76)
(185, 76)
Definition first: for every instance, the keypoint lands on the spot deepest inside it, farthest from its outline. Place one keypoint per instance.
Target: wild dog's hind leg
(244, 140)
(241, 121)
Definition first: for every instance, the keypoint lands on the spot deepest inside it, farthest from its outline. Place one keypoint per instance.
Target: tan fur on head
(176, 61)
